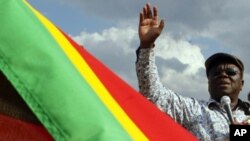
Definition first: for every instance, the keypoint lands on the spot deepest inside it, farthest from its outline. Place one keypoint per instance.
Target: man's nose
(223, 73)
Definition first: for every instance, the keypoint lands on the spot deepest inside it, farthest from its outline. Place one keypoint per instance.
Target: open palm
(149, 27)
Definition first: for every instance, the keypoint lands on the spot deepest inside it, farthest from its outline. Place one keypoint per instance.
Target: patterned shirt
(207, 120)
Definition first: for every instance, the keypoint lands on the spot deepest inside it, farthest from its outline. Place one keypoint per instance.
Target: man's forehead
(225, 64)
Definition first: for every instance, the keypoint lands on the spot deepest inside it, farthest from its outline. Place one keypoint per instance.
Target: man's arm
(149, 30)
(179, 108)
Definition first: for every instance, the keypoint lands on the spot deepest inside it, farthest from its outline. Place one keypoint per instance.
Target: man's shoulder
(245, 106)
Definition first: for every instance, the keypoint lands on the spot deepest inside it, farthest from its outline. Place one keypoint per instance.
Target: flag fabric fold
(73, 94)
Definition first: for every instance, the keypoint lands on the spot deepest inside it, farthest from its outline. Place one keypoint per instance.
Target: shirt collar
(241, 104)
(211, 103)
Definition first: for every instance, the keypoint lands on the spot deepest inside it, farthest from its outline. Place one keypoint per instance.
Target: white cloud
(187, 85)
(183, 51)
(191, 81)
(109, 38)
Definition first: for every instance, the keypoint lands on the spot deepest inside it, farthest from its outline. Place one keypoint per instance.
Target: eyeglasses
(228, 71)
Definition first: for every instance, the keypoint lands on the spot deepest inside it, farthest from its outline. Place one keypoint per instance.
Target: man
(205, 119)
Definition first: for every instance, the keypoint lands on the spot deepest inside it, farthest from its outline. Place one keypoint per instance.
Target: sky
(194, 30)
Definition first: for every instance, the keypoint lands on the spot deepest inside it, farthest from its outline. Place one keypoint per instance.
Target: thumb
(161, 26)
(236, 122)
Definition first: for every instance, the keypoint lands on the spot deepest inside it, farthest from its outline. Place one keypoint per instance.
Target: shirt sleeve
(181, 109)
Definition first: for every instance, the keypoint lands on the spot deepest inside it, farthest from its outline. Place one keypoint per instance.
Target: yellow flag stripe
(92, 79)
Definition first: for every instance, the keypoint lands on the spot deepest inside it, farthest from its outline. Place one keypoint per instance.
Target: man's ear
(242, 84)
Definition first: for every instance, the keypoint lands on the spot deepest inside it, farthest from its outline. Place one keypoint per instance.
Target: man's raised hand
(149, 26)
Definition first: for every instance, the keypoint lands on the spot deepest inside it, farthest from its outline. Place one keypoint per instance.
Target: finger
(145, 12)
(161, 25)
(141, 18)
(149, 12)
(155, 17)
(236, 122)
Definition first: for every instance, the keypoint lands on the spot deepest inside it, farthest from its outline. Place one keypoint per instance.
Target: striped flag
(73, 94)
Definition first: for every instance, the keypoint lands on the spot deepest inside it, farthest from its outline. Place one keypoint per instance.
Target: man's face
(225, 79)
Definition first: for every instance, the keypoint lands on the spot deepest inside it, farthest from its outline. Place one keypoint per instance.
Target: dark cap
(220, 57)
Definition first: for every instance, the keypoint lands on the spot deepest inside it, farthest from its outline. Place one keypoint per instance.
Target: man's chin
(223, 90)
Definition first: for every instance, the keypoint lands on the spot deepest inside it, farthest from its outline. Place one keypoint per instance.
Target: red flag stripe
(155, 124)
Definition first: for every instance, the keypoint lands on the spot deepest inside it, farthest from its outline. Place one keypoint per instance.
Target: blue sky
(70, 18)
(195, 29)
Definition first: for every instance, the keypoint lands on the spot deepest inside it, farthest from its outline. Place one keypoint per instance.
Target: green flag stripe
(48, 82)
